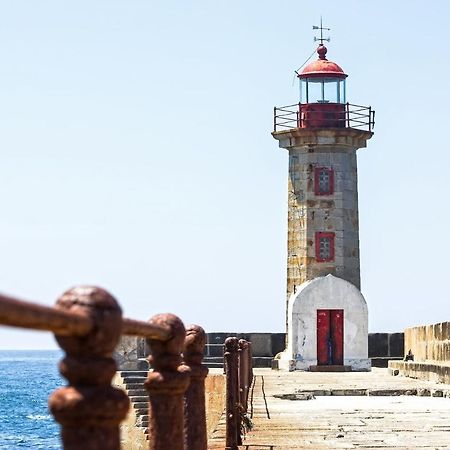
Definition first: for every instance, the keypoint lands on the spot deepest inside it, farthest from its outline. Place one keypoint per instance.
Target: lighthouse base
(327, 326)
(330, 368)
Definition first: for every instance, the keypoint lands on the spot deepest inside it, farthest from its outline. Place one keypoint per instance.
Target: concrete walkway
(377, 417)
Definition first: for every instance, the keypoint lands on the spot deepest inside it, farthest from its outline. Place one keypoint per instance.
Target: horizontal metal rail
(23, 314)
(19, 313)
(132, 327)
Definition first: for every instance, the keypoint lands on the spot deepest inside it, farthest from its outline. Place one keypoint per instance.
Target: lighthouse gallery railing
(351, 116)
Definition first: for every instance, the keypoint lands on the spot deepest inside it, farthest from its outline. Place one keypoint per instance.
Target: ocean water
(26, 380)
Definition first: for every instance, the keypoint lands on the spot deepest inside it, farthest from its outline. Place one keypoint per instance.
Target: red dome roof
(322, 67)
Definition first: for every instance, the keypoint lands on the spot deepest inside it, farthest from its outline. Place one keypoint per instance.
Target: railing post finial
(89, 408)
(194, 410)
(166, 386)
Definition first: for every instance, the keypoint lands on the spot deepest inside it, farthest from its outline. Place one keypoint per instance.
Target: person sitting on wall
(409, 356)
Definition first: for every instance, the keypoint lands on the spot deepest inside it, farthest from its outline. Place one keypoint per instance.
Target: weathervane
(321, 28)
(321, 39)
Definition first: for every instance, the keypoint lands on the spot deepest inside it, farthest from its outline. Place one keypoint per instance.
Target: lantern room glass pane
(322, 90)
(313, 90)
(331, 91)
(342, 92)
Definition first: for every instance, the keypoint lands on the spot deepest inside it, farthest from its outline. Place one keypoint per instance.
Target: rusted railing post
(250, 365)
(232, 399)
(89, 409)
(166, 386)
(194, 408)
(244, 374)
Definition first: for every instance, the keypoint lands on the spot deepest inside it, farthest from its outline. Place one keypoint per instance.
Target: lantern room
(322, 81)
(322, 93)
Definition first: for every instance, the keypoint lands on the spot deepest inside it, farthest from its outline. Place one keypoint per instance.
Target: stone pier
(344, 411)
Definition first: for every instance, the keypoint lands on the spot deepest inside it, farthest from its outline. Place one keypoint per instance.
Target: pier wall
(430, 346)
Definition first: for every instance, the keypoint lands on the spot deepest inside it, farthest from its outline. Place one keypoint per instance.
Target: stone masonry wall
(429, 342)
(333, 148)
(309, 213)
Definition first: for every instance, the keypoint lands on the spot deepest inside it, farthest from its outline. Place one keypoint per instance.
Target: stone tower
(322, 134)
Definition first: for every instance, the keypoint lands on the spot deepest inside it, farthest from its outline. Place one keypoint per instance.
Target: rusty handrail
(245, 372)
(23, 314)
(87, 323)
(89, 409)
(166, 385)
(231, 346)
(239, 378)
(148, 330)
(194, 404)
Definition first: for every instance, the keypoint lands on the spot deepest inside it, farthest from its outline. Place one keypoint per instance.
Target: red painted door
(337, 336)
(323, 336)
(330, 337)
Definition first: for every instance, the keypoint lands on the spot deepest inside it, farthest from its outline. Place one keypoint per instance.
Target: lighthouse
(326, 314)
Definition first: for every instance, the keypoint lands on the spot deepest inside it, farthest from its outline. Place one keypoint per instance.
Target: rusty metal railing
(87, 323)
(239, 377)
(349, 116)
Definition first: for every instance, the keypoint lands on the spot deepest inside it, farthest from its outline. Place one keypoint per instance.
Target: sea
(27, 377)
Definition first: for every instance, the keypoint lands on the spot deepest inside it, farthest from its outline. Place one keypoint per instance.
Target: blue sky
(135, 154)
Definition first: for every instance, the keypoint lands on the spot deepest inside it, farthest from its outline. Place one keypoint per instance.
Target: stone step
(138, 398)
(135, 377)
(133, 380)
(140, 405)
(142, 421)
(137, 393)
(132, 386)
(133, 373)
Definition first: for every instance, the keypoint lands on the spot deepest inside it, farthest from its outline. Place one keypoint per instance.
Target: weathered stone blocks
(429, 342)
(309, 213)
